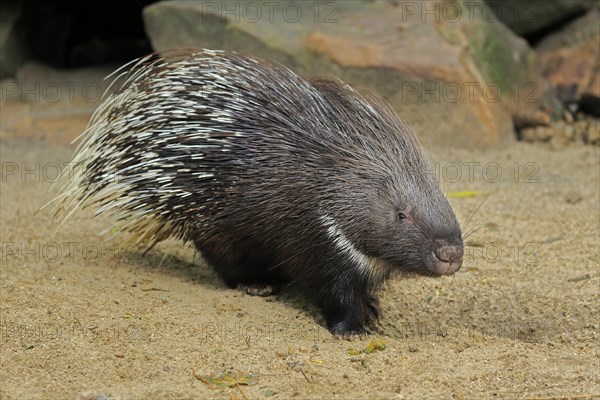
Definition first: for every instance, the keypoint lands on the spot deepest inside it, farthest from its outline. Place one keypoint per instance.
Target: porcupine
(275, 179)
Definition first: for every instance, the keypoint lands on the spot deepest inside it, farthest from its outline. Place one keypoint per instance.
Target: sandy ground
(84, 316)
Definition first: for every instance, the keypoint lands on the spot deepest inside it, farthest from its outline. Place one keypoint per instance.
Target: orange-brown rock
(457, 77)
(571, 58)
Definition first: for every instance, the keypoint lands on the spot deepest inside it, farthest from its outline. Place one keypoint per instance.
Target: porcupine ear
(334, 90)
(340, 92)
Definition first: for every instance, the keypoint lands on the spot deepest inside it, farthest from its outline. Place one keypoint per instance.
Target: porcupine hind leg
(239, 271)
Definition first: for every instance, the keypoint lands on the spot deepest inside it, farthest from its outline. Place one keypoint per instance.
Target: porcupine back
(193, 136)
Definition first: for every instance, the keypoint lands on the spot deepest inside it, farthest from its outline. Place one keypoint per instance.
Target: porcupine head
(391, 214)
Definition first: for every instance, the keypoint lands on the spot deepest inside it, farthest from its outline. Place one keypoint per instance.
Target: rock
(528, 119)
(231, 26)
(583, 129)
(571, 60)
(569, 132)
(568, 117)
(538, 134)
(594, 87)
(456, 77)
(579, 130)
(578, 31)
(593, 132)
(531, 16)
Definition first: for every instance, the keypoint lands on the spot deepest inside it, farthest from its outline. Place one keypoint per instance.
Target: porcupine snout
(448, 258)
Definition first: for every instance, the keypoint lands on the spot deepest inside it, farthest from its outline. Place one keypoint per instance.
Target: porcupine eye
(402, 215)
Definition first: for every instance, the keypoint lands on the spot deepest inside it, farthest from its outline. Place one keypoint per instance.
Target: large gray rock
(458, 78)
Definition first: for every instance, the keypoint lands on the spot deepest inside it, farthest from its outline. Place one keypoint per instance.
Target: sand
(86, 316)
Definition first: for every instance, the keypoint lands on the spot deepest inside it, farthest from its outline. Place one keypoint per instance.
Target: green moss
(494, 57)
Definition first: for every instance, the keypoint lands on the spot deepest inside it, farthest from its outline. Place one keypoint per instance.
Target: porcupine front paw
(347, 321)
(348, 331)
(351, 320)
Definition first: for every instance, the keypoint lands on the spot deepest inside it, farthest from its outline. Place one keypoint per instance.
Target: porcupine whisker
(476, 206)
(480, 225)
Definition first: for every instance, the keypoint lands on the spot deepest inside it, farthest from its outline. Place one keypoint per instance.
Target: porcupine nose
(449, 259)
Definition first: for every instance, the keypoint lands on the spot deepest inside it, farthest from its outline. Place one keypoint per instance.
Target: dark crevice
(72, 34)
(534, 38)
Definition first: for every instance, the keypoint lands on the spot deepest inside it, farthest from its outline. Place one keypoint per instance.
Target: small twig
(241, 391)
(154, 289)
(200, 378)
(305, 377)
